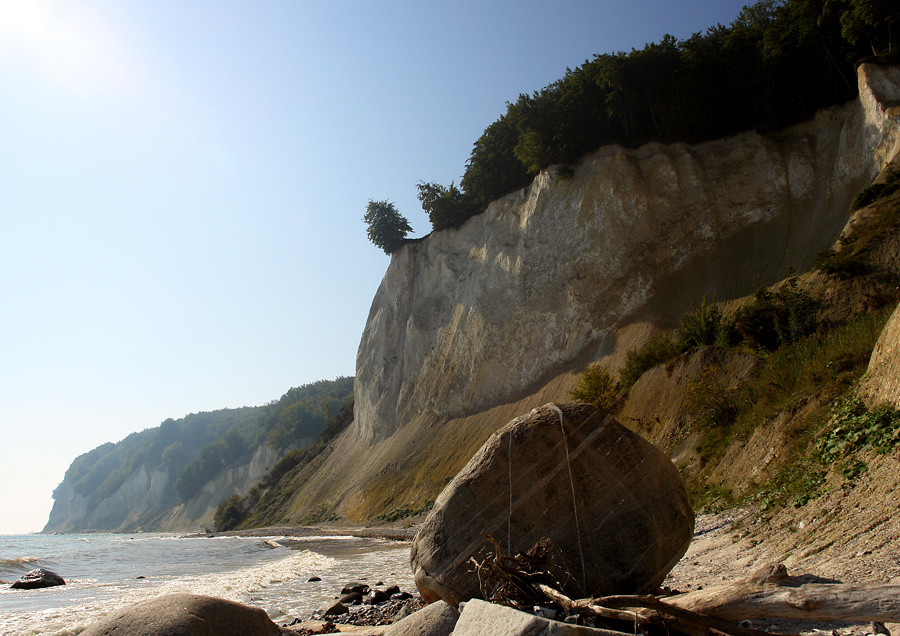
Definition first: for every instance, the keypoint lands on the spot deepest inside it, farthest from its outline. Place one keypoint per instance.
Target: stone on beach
(437, 619)
(478, 618)
(334, 608)
(38, 578)
(612, 503)
(186, 615)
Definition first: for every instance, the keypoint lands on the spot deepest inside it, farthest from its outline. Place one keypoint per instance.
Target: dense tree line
(291, 421)
(776, 64)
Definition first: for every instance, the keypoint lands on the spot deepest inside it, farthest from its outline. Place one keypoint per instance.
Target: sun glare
(65, 42)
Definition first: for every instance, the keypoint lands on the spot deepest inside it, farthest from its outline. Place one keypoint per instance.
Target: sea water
(104, 572)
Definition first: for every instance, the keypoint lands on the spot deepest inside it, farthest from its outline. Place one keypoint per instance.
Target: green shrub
(855, 428)
(851, 259)
(446, 207)
(775, 319)
(385, 226)
(283, 467)
(709, 400)
(706, 325)
(872, 193)
(842, 263)
(229, 514)
(659, 349)
(597, 386)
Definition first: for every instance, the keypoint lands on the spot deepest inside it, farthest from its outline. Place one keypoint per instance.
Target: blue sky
(182, 186)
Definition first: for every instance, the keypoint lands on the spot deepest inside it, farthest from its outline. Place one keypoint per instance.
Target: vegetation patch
(777, 318)
(851, 259)
(869, 195)
(300, 414)
(658, 350)
(797, 483)
(825, 366)
(853, 428)
(597, 386)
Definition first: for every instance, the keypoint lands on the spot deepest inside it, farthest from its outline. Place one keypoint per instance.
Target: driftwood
(771, 593)
(525, 580)
(649, 613)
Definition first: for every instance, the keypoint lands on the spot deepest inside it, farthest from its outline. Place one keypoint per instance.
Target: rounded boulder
(186, 615)
(612, 504)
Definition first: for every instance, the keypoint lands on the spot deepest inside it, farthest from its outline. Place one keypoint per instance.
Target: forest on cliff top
(777, 64)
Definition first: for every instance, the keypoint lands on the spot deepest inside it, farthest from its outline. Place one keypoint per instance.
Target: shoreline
(375, 532)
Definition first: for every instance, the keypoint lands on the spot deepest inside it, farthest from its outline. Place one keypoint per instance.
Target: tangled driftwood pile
(525, 582)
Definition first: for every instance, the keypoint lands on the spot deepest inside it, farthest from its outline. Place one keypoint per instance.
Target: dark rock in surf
(38, 578)
(360, 588)
(611, 503)
(353, 598)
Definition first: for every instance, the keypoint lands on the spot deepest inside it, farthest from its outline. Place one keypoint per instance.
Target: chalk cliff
(147, 500)
(473, 326)
(539, 283)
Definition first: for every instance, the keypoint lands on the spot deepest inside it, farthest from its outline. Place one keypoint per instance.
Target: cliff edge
(474, 326)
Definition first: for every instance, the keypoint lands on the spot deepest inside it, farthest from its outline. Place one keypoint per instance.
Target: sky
(182, 185)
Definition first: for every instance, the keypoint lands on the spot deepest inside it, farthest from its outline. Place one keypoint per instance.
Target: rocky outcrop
(36, 579)
(436, 619)
(882, 380)
(613, 506)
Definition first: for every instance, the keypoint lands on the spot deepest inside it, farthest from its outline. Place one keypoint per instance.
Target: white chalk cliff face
(469, 318)
(147, 499)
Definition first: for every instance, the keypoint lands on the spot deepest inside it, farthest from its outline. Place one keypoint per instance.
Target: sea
(104, 572)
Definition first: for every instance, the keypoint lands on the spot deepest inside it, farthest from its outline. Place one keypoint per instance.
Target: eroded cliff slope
(473, 326)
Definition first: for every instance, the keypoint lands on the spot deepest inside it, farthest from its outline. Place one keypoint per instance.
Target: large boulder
(38, 578)
(186, 615)
(611, 502)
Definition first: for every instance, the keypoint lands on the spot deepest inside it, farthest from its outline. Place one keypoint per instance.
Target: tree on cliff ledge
(387, 227)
